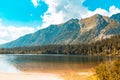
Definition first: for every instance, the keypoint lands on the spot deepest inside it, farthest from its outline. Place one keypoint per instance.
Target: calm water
(46, 63)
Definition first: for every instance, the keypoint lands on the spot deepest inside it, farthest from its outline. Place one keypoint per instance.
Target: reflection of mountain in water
(5, 66)
(51, 63)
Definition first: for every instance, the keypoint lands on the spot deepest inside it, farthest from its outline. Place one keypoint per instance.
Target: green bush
(109, 71)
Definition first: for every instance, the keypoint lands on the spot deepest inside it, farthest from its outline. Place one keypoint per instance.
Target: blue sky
(24, 12)
(104, 4)
(21, 11)
(20, 17)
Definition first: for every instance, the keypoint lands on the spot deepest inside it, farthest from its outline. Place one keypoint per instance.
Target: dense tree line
(109, 46)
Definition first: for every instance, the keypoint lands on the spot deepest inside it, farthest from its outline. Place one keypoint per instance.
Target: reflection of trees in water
(52, 63)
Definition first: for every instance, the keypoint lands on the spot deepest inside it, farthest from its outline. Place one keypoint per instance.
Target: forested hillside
(109, 46)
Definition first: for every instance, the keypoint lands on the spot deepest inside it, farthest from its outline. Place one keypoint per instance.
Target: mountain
(73, 31)
(116, 17)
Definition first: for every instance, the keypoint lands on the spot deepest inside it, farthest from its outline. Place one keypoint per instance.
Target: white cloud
(112, 10)
(35, 2)
(97, 11)
(60, 11)
(9, 33)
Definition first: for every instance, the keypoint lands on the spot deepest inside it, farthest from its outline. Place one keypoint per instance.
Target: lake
(49, 62)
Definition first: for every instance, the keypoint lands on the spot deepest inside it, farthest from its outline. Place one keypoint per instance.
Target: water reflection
(50, 62)
(5, 66)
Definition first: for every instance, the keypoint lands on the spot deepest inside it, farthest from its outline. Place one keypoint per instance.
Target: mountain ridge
(74, 31)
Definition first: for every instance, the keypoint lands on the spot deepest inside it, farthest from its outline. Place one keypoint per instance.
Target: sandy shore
(46, 76)
(77, 76)
(29, 76)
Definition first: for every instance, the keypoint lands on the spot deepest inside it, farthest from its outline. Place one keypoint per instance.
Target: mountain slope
(116, 17)
(96, 28)
(54, 34)
(73, 31)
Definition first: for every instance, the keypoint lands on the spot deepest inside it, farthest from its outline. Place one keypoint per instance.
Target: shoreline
(29, 76)
(71, 75)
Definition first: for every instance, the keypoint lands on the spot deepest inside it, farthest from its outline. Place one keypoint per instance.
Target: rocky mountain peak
(72, 20)
(74, 31)
(97, 16)
(94, 21)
